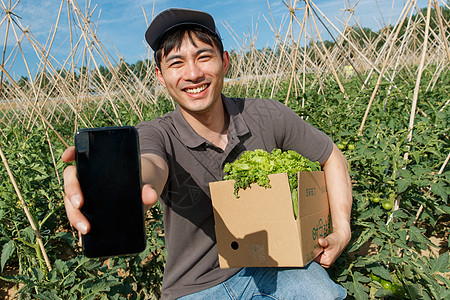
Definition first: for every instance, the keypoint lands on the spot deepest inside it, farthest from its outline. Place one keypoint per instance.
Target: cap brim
(174, 17)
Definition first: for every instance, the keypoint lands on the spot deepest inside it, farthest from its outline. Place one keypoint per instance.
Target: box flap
(272, 204)
(312, 193)
(313, 227)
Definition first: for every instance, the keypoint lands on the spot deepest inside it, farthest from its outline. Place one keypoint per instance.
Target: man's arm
(154, 177)
(339, 189)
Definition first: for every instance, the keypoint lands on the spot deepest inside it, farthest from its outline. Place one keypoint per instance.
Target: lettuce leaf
(255, 166)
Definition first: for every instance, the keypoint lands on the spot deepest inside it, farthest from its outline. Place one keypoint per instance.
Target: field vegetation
(383, 97)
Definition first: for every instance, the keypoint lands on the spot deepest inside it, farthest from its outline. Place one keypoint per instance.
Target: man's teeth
(197, 90)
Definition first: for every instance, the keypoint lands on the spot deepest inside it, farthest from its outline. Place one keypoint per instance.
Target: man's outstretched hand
(73, 199)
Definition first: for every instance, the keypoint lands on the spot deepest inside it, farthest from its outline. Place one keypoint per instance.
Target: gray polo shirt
(192, 263)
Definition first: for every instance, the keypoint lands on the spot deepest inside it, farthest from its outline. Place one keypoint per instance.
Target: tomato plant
(381, 175)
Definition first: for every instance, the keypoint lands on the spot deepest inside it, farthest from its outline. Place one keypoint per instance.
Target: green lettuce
(255, 166)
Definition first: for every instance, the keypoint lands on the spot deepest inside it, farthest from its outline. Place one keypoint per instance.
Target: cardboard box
(258, 229)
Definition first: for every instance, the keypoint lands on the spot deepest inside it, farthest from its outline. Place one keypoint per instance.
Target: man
(181, 152)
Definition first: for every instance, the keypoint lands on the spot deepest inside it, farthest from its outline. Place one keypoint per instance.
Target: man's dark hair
(174, 38)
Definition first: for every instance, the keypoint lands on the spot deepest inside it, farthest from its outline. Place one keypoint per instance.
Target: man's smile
(197, 89)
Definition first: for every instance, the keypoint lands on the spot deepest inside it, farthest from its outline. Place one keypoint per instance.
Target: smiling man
(184, 150)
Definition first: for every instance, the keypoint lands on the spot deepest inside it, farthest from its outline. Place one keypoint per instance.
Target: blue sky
(121, 23)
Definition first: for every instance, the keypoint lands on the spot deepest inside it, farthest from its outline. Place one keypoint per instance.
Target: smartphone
(108, 169)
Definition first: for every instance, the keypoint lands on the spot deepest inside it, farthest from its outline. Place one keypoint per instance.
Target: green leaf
(69, 280)
(380, 271)
(439, 188)
(418, 238)
(28, 233)
(362, 238)
(360, 277)
(61, 266)
(359, 291)
(7, 252)
(52, 276)
(384, 229)
(37, 274)
(384, 294)
(48, 295)
(441, 264)
(103, 285)
(403, 185)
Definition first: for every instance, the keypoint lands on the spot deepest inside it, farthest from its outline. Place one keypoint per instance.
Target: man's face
(193, 75)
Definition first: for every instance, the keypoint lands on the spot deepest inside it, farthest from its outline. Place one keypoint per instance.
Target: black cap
(174, 17)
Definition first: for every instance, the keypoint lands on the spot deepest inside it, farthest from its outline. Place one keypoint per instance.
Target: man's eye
(175, 63)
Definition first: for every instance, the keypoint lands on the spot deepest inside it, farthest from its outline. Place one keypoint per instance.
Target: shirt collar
(237, 126)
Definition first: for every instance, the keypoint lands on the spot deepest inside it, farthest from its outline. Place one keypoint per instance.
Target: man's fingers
(72, 187)
(332, 248)
(69, 154)
(73, 198)
(76, 218)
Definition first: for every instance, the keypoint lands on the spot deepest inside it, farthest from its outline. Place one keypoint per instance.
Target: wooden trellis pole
(27, 212)
(377, 85)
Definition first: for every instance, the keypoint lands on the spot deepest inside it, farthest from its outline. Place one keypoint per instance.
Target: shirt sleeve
(151, 139)
(302, 137)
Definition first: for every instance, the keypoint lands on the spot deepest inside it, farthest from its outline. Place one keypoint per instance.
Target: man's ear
(160, 76)
(226, 61)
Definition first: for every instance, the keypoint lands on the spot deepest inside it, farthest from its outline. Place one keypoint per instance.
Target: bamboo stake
(44, 62)
(36, 46)
(377, 85)
(442, 30)
(420, 210)
(275, 82)
(419, 77)
(296, 53)
(397, 62)
(27, 212)
(345, 37)
(416, 94)
(4, 48)
(40, 114)
(327, 55)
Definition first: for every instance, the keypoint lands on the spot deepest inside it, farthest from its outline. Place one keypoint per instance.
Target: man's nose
(193, 72)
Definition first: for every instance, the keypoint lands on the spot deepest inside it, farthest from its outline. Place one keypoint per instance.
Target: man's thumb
(149, 196)
(323, 243)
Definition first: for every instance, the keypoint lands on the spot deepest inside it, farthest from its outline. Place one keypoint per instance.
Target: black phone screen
(108, 168)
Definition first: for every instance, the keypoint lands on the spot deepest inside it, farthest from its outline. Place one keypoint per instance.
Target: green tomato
(341, 146)
(351, 147)
(375, 277)
(386, 284)
(387, 205)
(375, 199)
